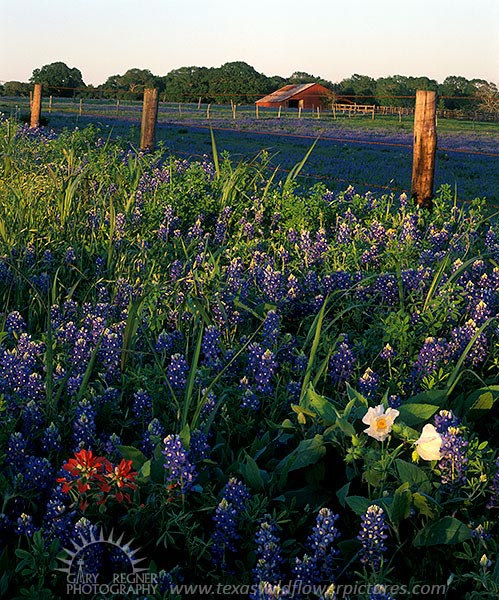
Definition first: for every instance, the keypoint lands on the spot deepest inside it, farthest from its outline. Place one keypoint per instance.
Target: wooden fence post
(36, 106)
(425, 145)
(50, 104)
(149, 117)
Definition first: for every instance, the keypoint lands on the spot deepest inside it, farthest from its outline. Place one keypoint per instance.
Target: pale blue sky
(329, 38)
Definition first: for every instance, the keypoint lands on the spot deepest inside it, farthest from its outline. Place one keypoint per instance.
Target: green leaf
(401, 505)
(133, 454)
(422, 504)
(429, 397)
(251, 473)
(359, 504)
(413, 414)
(307, 453)
(185, 436)
(342, 494)
(157, 470)
(447, 530)
(483, 403)
(145, 470)
(323, 407)
(413, 475)
(355, 395)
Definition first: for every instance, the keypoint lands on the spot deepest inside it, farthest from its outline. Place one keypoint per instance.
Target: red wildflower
(85, 464)
(121, 477)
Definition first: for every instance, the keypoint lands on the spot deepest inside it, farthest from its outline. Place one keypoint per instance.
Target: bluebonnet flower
(494, 498)
(482, 532)
(167, 340)
(249, 399)
(305, 570)
(394, 401)
(368, 383)
(51, 438)
(311, 283)
(16, 450)
(387, 353)
(454, 462)
(270, 591)
(199, 448)
(167, 579)
(15, 323)
(32, 417)
(177, 372)
(320, 246)
(445, 419)
(409, 232)
(84, 425)
(181, 473)
(25, 525)
(211, 348)
(70, 256)
(196, 231)
(342, 362)
(265, 370)
(268, 555)
(293, 389)
(459, 339)
(433, 353)
(142, 406)
(379, 592)
(209, 405)
(152, 436)
(272, 283)
(344, 233)
(176, 270)
(271, 328)
(236, 493)
(110, 444)
(294, 289)
(225, 534)
(322, 543)
(373, 533)
(480, 312)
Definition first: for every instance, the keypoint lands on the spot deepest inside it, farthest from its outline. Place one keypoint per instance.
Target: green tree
(60, 79)
(131, 85)
(361, 87)
(456, 92)
(187, 84)
(237, 81)
(16, 88)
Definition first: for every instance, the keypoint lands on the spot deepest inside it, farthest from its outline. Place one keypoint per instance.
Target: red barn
(304, 95)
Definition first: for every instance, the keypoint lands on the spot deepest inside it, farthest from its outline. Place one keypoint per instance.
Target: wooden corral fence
(353, 109)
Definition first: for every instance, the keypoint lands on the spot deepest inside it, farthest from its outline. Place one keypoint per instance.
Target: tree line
(240, 83)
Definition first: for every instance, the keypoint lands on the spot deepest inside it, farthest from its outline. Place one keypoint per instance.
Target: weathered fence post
(425, 145)
(149, 117)
(36, 106)
(50, 104)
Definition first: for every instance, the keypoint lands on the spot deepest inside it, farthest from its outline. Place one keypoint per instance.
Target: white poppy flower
(429, 443)
(380, 422)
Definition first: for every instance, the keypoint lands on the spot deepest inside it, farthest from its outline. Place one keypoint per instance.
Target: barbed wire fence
(215, 116)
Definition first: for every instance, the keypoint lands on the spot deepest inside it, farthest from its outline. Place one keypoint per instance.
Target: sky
(332, 39)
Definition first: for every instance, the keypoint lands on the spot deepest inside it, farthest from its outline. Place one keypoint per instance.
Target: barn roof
(286, 92)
